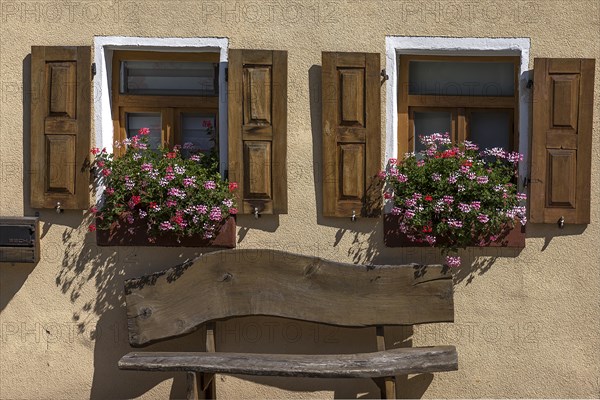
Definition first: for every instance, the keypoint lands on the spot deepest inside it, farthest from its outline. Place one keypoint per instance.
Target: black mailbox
(19, 239)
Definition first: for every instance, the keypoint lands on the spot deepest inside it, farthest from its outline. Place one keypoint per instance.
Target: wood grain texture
(362, 365)
(561, 141)
(226, 284)
(351, 118)
(257, 119)
(60, 126)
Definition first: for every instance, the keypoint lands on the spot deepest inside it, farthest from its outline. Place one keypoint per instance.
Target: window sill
(225, 238)
(392, 237)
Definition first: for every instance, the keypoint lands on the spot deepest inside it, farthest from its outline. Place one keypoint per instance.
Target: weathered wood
(387, 384)
(362, 365)
(231, 283)
(209, 388)
(193, 389)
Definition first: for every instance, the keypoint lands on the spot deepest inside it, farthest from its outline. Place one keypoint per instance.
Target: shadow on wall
(93, 279)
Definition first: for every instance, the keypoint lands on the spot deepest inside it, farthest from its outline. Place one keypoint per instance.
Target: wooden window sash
(177, 112)
(406, 101)
(461, 129)
(454, 112)
(167, 105)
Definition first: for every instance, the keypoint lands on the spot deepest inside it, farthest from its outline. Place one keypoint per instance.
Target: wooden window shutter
(257, 118)
(561, 157)
(60, 126)
(351, 134)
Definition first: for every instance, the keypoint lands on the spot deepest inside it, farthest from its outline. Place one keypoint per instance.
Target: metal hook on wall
(58, 208)
(384, 76)
(353, 217)
(561, 222)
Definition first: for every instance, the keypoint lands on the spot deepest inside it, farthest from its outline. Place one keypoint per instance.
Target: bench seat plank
(362, 365)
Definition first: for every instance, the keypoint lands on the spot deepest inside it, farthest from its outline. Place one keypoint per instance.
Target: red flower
(106, 172)
(467, 163)
(233, 211)
(101, 164)
(92, 228)
(152, 204)
(387, 195)
(232, 186)
(169, 168)
(93, 209)
(144, 131)
(207, 124)
(428, 198)
(427, 229)
(95, 150)
(136, 200)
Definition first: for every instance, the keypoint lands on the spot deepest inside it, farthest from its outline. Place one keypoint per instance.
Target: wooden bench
(233, 283)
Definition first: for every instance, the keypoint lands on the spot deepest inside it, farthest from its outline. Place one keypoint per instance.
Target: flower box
(122, 236)
(163, 197)
(392, 237)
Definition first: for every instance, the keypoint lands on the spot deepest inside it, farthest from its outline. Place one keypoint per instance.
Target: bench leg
(193, 387)
(387, 386)
(201, 386)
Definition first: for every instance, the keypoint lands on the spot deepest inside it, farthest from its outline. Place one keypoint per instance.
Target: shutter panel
(351, 134)
(60, 126)
(561, 158)
(257, 118)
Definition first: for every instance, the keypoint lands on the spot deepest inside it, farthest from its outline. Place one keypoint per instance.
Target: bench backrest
(233, 283)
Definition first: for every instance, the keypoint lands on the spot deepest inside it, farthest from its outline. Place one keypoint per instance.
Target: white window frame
(104, 46)
(395, 46)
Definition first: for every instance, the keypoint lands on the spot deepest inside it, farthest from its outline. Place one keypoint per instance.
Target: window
(174, 94)
(471, 97)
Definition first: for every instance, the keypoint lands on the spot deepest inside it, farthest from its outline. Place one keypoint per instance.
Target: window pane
(429, 122)
(135, 121)
(454, 78)
(491, 129)
(168, 78)
(198, 129)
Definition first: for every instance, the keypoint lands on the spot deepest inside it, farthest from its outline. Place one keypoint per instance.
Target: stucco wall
(527, 324)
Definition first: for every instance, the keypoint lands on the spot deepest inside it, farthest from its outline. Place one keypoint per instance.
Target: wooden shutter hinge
(93, 70)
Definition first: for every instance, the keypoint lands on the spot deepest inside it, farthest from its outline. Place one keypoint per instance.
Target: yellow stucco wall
(527, 324)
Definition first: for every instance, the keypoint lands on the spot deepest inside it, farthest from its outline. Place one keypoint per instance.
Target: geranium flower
(210, 185)
(453, 262)
(215, 214)
(233, 186)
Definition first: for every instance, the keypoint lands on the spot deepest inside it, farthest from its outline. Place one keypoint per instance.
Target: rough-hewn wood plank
(268, 282)
(363, 365)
